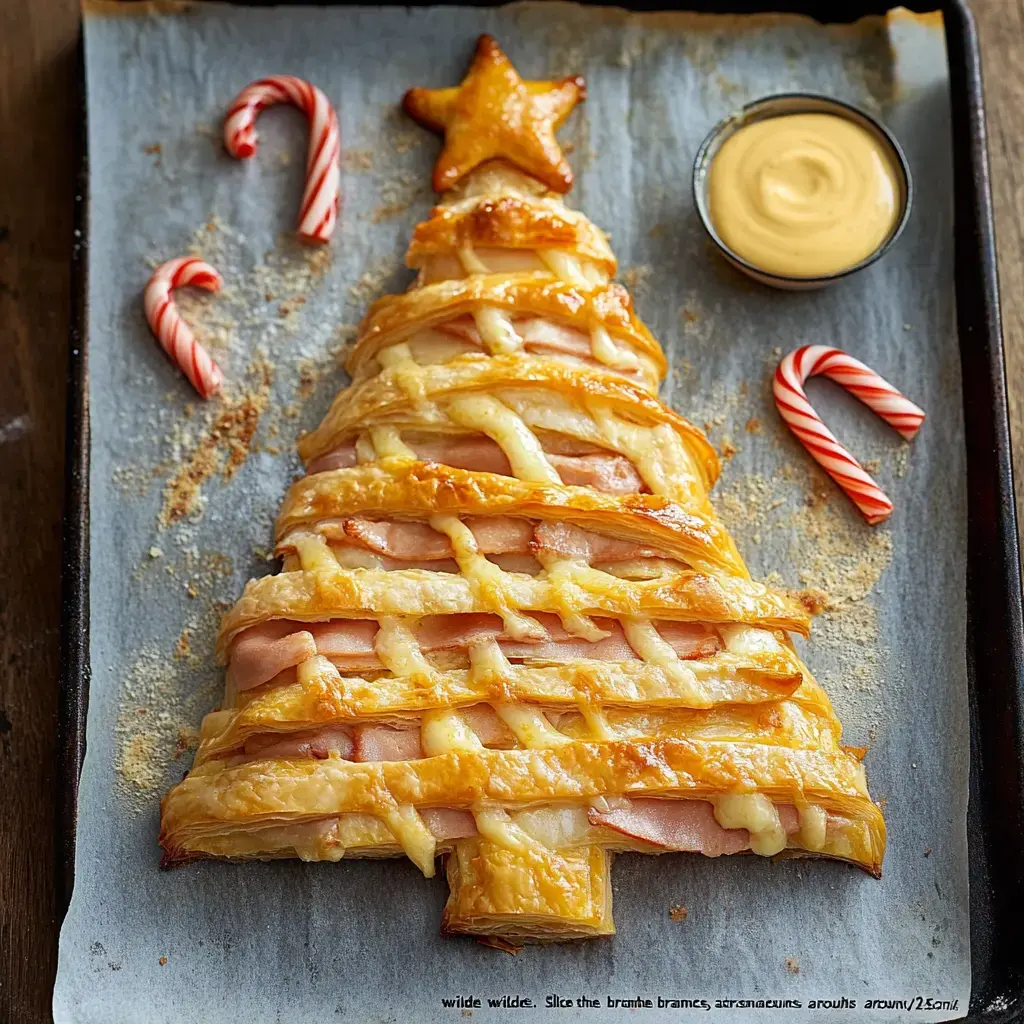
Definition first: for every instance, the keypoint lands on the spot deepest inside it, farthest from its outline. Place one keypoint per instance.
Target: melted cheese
(607, 804)
(488, 663)
(531, 727)
(564, 576)
(813, 827)
(315, 554)
(597, 722)
(487, 581)
(407, 372)
(413, 836)
(444, 731)
(398, 650)
(494, 824)
(471, 263)
(758, 815)
(565, 266)
(604, 350)
(318, 673)
(365, 451)
(649, 645)
(496, 330)
(501, 424)
(748, 641)
(657, 452)
(557, 828)
(387, 443)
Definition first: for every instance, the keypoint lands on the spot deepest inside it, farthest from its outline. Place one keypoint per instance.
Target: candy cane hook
(170, 328)
(862, 382)
(321, 199)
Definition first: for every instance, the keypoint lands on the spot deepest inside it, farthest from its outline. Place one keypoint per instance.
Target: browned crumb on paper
(753, 425)
(162, 961)
(728, 449)
(397, 195)
(160, 701)
(793, 964)
(357, 160)
(677, 912)
(183, 648)
(833, 559)
(223, 448)
(637, 278)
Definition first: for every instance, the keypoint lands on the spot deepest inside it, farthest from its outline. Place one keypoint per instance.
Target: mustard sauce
(803, 195)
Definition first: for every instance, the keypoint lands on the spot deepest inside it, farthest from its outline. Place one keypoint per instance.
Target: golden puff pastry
(516, 232)
(505, 313)
(495, 114)
(509, 627)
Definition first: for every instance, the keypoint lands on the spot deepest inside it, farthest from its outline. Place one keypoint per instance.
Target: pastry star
(495, 114)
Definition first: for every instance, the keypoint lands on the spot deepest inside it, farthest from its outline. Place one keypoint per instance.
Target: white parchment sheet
(184, 494)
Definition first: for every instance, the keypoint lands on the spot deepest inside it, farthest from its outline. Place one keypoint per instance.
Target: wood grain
(37, 119)
(38, 104)
(1001, 31)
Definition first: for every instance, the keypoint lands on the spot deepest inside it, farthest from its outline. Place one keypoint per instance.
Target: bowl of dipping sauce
(799, 190)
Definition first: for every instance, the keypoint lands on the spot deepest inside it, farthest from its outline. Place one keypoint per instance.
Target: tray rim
(995, 656)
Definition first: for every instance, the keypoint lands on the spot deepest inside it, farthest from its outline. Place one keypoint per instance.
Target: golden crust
(319, 596)
(383, 399)
(394, 317)
(398, 488)
(532, 894)
(495, 114)
(808, 721)
(217, 796)
(509, 221)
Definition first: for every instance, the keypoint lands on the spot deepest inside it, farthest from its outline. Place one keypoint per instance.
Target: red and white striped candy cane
(862, 382)
(321, 200)
(170, 328)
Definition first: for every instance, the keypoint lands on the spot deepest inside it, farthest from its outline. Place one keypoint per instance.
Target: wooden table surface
(38, 103)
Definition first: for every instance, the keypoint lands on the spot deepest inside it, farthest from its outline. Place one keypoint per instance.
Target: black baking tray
(995, 636)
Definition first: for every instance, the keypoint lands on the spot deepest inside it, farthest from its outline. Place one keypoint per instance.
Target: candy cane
(322, 198)
(170, 329)
(879, 395)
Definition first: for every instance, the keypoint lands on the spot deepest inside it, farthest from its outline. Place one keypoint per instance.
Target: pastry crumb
(677, 912)
(162, 961)
(753, 425)
(793, 964)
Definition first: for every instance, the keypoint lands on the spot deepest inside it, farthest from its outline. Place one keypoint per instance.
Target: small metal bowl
(778, 106)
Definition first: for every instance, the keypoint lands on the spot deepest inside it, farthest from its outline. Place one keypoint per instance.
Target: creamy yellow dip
(803, 195)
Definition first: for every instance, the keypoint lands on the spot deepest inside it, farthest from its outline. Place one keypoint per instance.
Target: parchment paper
(357, 941)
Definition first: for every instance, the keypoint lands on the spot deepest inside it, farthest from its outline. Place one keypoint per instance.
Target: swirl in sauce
(803, 195)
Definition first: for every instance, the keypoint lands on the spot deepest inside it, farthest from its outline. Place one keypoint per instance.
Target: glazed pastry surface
(509, 627)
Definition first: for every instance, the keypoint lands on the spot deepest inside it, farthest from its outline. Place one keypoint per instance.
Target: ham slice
(572, 542)
(340, 458)
(495, 535)
(383, 743)
(477, 453)
(264, 651)
(684, 825)
(311, 743)
(611, 474)
(545, 335)
(449, 823)
(261, 653)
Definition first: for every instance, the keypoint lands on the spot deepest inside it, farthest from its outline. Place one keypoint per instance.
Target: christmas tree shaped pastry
(509, 627)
